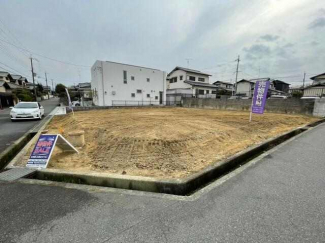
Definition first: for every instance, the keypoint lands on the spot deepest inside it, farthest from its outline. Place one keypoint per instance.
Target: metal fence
(144, 103)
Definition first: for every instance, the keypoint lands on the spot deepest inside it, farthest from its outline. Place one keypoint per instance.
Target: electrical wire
(40, 55)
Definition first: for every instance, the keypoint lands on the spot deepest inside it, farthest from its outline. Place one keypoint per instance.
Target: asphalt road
(278, 199)
(11, 131)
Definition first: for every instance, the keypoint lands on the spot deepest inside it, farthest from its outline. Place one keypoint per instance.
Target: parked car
(27, 110)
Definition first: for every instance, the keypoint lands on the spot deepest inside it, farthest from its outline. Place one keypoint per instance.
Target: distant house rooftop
(222, 82)
(313, 78)
(200, 84)
(189, 70)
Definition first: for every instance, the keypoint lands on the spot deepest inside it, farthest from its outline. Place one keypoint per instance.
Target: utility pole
(48, 95)
(52, 88)
(238, 60)
(303, 82)
(31, 63)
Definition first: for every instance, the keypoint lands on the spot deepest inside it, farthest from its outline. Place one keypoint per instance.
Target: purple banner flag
(259, 98)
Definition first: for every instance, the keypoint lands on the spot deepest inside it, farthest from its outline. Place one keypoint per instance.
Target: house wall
(320, 79)
(180, 83)
(4, 79)
(314, 92)
(292, 106)
(197, 76)
(2, 89)
(245, 88)
(282, 87)
(108, 83)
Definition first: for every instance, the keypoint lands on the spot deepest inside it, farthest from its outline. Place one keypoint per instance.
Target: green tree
(23, 95)
(297, 94)
(60, 90)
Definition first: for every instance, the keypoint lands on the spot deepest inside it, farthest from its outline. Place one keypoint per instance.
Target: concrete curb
(182, 187)
(10, 152)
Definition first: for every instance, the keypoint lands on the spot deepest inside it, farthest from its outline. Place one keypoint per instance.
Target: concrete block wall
(319, 108)
(290, 106)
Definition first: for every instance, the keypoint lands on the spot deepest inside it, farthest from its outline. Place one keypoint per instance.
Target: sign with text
(259, 98)
(44, 147)
(42, 151)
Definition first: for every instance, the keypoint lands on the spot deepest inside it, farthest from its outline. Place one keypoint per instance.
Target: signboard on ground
(259, 98)
(43, 149)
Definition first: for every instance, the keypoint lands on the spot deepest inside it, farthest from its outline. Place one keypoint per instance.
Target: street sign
(43, 149)
(259, 98)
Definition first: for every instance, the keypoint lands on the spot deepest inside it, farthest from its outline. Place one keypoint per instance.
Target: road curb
(13, 151)
(181, 187)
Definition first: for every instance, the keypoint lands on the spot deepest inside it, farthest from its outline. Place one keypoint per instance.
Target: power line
(14, 70)
(40, 55)
(13, 37)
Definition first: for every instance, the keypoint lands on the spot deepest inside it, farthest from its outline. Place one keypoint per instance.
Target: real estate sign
(42, 151)
(259, 98)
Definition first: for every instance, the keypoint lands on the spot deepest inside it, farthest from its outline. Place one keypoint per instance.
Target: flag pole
(251, 113)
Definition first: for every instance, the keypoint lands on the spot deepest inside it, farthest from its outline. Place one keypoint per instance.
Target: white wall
(108, 82)
(314, 92)
(180, 83)
(244, 88)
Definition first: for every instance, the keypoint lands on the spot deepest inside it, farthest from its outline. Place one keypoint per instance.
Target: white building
(122, 84)
(188, 82)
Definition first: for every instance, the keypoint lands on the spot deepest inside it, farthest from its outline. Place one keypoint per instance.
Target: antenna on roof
(188, 61)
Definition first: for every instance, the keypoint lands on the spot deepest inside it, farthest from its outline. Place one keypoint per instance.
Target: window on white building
(148, 95)
(148, 79)
(201, 79)
(156, 97)
(181, 77)
(192, 78)
(125, 77)
(132, 94)
(201, 91)
(132, 78)
(173, 80)
(139, 91)
(208, 92)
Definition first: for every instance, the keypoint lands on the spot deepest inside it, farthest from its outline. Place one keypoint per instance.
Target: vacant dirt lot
(163, 142)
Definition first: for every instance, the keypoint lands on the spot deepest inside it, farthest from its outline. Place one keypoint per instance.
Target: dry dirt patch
(163, 142)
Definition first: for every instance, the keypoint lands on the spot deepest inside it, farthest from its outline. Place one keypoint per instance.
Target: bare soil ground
(163, 142)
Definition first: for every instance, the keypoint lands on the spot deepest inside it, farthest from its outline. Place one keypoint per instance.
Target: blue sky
(275, 38)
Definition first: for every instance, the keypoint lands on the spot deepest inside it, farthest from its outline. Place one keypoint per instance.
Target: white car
(27, 110)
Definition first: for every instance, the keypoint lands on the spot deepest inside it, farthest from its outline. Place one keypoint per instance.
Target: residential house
(19, 80)
(224, 87)
(5, 76)
(314, 91)
(281, 86)
(6, 98)
(318, 79)
(317, 88)
(115, 84)
(245, 88)
(85, 90)
(189, 83)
